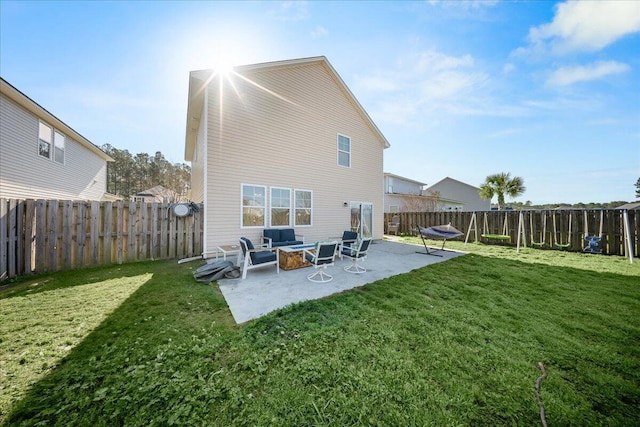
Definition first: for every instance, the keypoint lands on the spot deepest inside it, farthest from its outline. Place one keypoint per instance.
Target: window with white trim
(253, 205)
(303, 207)
(280, 207)
(344, 151)
(44, 140)
(58, 147)
(51, 143)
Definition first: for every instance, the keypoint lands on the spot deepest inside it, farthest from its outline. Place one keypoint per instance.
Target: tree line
(130, 174)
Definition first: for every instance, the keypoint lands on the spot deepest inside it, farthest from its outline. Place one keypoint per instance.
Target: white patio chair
(255, 257)
(355, 253)
(324, 256)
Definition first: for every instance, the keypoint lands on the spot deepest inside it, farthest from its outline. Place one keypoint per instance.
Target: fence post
(4, 241)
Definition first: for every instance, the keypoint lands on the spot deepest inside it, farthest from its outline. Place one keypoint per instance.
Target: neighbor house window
(45, 133)
(303, 207)
(253, 205)
(344, 151)
(58, 147)
(280, 207)
(50, 143)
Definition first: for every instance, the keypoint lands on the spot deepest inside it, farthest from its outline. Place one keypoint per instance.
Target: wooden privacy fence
(39, 236)
(549, 229)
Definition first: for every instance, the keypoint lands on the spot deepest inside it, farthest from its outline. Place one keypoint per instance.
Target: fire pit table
(292, 257)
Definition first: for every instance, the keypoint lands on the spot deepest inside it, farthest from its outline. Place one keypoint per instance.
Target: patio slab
(264, 291)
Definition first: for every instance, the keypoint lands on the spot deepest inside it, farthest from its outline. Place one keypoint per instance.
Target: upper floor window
(51, 143)
(344, 151)
(58, 147)
(44, 140)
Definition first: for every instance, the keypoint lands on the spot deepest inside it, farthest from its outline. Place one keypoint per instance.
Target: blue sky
(548, 91)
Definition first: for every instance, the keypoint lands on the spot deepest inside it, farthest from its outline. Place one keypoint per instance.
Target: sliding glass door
(362, 218)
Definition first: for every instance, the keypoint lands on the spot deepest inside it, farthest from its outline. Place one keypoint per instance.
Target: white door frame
(360, 223)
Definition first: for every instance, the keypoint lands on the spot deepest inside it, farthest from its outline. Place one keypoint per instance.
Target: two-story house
(282, 144)
(41, 157)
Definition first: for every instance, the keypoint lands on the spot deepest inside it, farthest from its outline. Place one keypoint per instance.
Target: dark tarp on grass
(216, 270)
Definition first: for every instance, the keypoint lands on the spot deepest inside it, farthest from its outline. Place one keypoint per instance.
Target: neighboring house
(630, 206)
(157, 194)
(41, 157)
(405, 195)
(456, 195)
(282, 144)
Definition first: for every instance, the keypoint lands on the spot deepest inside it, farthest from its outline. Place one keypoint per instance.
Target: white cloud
(585, 26)
(564, 76)
(424, 83)
(450, 84)
(508, 68)
(506, 132)
(377, 84)
(436, 61)
(319, 31)
(288, 11)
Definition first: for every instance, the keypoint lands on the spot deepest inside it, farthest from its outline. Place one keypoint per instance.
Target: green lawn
(454, 343)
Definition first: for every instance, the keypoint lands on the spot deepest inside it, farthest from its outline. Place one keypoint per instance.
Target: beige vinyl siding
(25, 174)
(289, 143)
(197, 164)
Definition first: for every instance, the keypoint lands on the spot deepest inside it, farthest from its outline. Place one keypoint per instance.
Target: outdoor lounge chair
(323, 256)
(394, 225)
(357, 252)
(443, 232)
(257, 256)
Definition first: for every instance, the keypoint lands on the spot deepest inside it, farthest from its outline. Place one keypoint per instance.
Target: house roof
(391, 175)
(30, 105)
(199, 79)
(454, 180)
(631, 205)
(157, 190)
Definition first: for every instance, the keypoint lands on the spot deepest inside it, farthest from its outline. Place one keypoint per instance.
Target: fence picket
(67, 227)
(106, 239)
(119, 231)
(29, 237)
(131, 237)
(81, 235)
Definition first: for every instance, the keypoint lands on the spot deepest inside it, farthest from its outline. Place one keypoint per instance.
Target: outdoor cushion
(273, 234)
(349, 237)
(287, 235)
(248, 242)
(281, 236)
(262, 257)
(348, 251)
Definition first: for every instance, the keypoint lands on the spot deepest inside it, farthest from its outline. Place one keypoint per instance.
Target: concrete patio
(264, 291)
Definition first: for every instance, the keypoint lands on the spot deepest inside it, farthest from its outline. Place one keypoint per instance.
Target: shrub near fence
(612, 226)
(38, 236)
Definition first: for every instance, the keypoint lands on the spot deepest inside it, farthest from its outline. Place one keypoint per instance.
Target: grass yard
(454, 343)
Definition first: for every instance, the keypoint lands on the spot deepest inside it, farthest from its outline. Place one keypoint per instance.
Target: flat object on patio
(436, 232)
(216, 270)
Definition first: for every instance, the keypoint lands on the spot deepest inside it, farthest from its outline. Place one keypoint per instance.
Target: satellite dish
(181, 210)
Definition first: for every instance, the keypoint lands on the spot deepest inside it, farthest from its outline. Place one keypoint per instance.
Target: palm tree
(501, 184)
